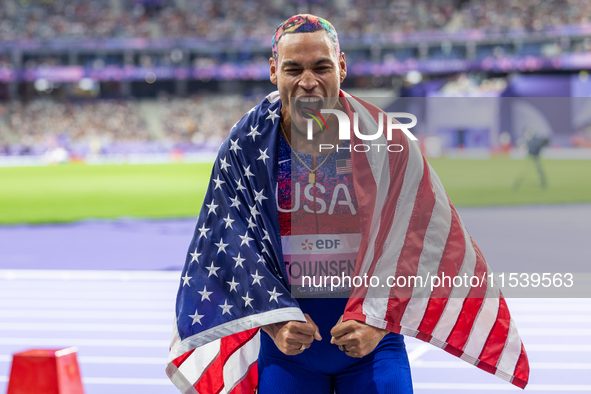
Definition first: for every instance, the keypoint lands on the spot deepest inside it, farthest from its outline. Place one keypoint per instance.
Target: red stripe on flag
(521, 374)
(472, 304)
(408, 262)
(181, 359)
(249, 383)
(451, 261)
(493, 347)
(212, 381)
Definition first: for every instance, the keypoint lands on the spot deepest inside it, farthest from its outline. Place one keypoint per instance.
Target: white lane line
(418, 352)
(47, 302)
(553, 307)
(108, 360)
(552, 318)
(122, 360)
(533, 365)
(115, 381)
(85, 314)
(87, 327)
(556, 388)
(99, 295)
(559, 332)
(93, 275)
(134, 381)
(67, 342)
(535, 347)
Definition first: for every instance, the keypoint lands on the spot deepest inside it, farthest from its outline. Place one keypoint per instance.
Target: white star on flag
(233, 285)
(224, 164)
(247, 172)
(195, 255)
(196, 317)
(274, 294)
(260, 260)
(263, 155)
(251, 223)
(235, 146)
(235, 202)
(186, 279)
(253, 132)
(204, 293)
(212, 270)
(247, 300)
(212, 207)
(253, 211)
(238, 261)
(221, 246)
(256, 278)
(228, 221)
(203, 231)
(266, 237)
(218, 182)
(225, 308)
(264, 250)
(239, 185)
(245, 238)
(272, 115)
(259, 197)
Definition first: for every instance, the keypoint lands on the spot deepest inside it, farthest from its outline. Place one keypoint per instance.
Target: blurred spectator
(41, 125)
(257, 19)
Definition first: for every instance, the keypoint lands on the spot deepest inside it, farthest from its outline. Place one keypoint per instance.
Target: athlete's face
(307, 70)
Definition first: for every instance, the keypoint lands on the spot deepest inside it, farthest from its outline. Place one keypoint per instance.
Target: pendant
(312, 178)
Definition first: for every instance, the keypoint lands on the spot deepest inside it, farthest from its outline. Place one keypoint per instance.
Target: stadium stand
(146, 75)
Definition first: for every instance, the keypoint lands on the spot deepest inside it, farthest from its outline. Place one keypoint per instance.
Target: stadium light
(86, 84)
(414, 77)
(43, 85)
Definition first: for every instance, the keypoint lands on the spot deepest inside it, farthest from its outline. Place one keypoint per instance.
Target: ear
(273, 71)
(342, 66)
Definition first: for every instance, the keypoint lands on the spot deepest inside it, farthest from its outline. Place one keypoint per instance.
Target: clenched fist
(355, 338)
(293, 337)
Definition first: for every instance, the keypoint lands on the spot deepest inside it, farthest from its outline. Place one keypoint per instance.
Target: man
(275, 204)
(535, 144)
(308, 67)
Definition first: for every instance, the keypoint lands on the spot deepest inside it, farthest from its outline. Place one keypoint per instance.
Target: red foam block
(45, 371)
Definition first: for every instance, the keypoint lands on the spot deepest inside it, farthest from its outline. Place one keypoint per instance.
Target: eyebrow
(293, 63)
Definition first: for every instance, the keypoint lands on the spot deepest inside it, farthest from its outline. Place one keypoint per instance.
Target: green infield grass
(75, 191)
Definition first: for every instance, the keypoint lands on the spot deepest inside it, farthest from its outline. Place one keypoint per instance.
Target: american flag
(234, 279)
(344, 166)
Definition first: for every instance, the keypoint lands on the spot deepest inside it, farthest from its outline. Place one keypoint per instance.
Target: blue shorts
(324, 369)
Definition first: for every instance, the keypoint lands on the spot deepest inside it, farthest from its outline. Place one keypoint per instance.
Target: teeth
(310, 99)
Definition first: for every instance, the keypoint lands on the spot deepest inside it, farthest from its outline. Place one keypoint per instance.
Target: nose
(308, 80)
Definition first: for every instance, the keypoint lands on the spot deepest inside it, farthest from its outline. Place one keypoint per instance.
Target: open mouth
(309, 107)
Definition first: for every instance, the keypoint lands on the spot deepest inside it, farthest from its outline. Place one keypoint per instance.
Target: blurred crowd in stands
(249, 18)
(199, 120)
(90, 127)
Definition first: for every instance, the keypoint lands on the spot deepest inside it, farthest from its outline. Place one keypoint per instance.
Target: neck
(299, 142)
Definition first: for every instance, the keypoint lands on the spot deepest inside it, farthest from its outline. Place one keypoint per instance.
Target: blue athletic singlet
(322, 218)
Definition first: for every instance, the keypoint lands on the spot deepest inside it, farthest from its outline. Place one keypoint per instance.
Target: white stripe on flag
(511, 352)
(482, 326)
(196, 364)
(453, 307)
(240, 362)
(380, 169)
(434, 245)
(376, 303)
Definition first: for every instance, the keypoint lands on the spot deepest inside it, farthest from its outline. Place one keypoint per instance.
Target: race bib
(317, 264)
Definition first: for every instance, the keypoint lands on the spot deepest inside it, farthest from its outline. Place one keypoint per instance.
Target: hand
(356, 338)
(289, 336)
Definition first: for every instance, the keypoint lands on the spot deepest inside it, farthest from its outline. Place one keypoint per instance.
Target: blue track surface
(120, 315)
